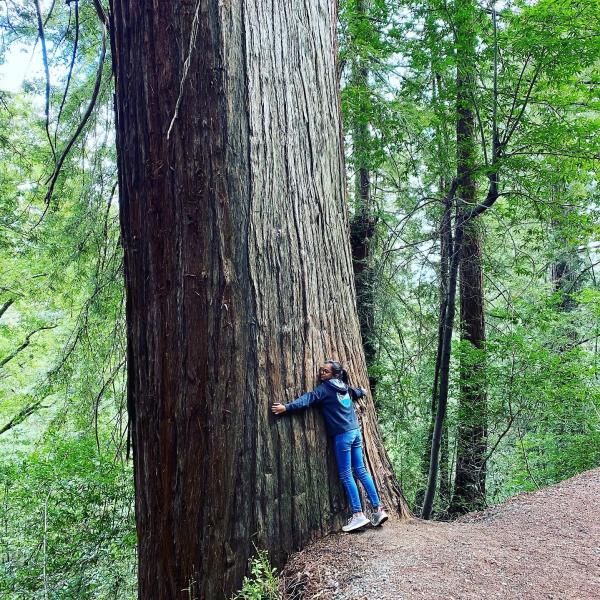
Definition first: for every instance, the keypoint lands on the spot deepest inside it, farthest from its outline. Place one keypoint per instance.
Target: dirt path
(544, 544)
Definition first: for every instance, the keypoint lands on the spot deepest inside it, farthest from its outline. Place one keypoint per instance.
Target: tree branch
(22, 415)
(47, 71)
(74, 54)
(53, 178)
(514, 99)
(101, 13)
(24, 345)
(6, 306)
(50, 11)
(510, 130)
(108, 381)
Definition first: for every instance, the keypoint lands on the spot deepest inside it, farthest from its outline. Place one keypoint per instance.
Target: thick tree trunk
(239, 282)
(469, 481)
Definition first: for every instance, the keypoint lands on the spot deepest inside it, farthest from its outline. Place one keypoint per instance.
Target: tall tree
(239, 281)
(464, 234)
(368, 40)
(469, 481)
(362, 224)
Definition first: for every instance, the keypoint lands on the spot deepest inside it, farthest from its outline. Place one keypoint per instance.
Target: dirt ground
(543, 544)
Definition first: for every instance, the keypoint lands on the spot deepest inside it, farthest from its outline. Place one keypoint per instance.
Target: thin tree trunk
(445, 233)
(445, 350)
(239, 282)
(445, 490)
(445, 252)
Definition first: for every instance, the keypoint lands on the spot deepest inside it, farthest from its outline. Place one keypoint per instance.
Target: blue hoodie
(335, 399)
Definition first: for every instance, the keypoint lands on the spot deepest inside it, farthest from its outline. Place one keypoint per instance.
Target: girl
(335, 399)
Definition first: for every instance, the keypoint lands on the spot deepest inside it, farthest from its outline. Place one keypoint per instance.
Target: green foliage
(543, 382)
(62, 260)
(67, 526)
(262, 583)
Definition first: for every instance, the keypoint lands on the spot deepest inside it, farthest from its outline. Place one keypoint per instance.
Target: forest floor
(542, 544)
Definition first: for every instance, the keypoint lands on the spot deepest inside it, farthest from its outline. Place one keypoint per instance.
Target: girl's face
(325, 372)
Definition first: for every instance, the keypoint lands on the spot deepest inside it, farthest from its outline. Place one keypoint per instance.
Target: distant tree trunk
(567, 262)
(562, 274)
(445, 490)
(362, 230)
(362, 225)
(469, 481)
(239, 282)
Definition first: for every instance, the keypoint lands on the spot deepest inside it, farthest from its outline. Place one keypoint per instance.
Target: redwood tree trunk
(239, 282)
(469, 482)
(362, 225)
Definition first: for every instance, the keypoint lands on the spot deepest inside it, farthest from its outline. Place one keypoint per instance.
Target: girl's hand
(278, 409)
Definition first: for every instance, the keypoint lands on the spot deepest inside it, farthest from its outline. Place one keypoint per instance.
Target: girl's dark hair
(338, 371)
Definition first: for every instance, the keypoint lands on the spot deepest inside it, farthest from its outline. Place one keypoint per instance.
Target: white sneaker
(356, 522)
(379, 517)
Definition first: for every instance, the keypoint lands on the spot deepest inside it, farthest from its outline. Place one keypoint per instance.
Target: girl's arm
(356, 393)
(302, 402)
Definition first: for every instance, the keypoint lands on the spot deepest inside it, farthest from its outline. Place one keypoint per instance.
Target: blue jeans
(349, 455)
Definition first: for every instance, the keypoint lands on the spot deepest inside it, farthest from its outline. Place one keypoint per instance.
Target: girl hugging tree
(334, 397)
